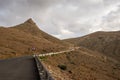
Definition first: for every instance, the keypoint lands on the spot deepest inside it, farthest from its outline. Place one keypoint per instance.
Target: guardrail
(43, 72)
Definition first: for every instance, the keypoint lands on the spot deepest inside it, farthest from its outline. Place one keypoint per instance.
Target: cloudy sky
(63, 18)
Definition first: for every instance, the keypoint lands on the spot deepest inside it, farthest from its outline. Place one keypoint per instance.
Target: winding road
(29, 67)
(25, 68)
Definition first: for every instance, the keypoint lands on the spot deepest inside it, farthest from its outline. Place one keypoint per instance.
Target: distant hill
(27, 39)
(107, 43)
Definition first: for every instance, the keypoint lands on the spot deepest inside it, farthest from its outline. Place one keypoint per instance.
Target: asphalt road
(23, 68)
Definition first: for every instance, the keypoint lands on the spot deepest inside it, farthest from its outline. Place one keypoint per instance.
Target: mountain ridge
(105, 42)
(20, 39)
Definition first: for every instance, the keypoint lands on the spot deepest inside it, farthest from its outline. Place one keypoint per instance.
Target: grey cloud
(63, 18)
(111, 21)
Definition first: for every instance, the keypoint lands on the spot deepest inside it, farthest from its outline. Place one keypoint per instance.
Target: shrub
(62, 67)
(70, 72)
(43, 58)
(13, 52)
(54, 55)
(44, 50)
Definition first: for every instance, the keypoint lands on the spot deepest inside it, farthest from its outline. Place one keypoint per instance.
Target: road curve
(52, 53)
(23, 68)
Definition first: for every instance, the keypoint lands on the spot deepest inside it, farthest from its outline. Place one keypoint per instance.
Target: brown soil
(82, 64)
(21, 39)
(107, 43)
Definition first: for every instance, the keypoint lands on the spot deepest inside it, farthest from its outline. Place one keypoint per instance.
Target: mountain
(27, 39)
(107, 43)
(30, 27)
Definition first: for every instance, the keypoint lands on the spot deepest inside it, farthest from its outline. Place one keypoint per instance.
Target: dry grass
(107, 43)
(80, 66)
(19, 40)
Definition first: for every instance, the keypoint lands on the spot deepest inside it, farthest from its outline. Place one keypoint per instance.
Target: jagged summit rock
(29, 26)
(30, 20)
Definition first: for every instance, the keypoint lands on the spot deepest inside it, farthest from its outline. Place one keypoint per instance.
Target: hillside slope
(22, 39)
(30, 26)
(104, 42)
(82, 64)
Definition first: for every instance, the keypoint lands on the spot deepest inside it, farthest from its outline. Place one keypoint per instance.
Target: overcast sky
(63, 18)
